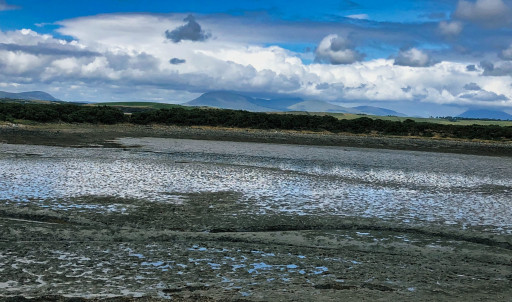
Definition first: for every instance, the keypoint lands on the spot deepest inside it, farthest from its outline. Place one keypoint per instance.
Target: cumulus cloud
(489, 13)
(484, 96)
(506, 54)
(450, 28)
(130, 55)
(472, 86)
(337, 50)
(177, 61)
(191, 31)
(413, 57)
(4, 6)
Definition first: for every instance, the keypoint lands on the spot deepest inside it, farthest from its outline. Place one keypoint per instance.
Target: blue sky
(31, 11)
(419, 57)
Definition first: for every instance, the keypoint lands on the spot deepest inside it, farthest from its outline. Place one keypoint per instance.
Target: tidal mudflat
(214, 220)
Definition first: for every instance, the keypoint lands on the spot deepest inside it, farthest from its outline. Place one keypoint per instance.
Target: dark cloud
(450, 29)
(472, 86)
(487, 66)
(489, 13)
(407, 89)
(471, 39)
(414, 58)
(490, 69)
(191, 31)
(337, 50)
(50, 49)
(471, 67)
(176, 61)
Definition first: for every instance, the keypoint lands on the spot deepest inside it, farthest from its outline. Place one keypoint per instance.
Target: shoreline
(90, 135)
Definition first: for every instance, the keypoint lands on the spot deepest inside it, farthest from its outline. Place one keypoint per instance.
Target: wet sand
(179, 252)
(215, 246)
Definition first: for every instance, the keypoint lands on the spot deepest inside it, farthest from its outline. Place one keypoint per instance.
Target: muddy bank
(164, 219)
(84, 135)
(187, 253)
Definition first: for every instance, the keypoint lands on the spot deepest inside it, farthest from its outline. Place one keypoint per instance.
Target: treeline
(363, 125)
(69, 113)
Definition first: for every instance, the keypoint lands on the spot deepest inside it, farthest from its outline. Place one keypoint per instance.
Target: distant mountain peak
(238, 101)
(320, 106)
(227, 100)
(29, 95)
(378, 111)
(486, 114)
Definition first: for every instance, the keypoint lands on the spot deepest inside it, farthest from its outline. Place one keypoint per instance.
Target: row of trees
(69, 113)
(244, 119)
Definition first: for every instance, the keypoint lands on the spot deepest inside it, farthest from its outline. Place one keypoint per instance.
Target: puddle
(266, 179)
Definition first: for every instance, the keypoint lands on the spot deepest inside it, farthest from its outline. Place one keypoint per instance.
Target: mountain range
(236, 101)
(230, 100)
(30, 95)
(486, 114)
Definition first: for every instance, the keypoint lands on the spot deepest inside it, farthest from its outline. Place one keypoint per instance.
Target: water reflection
(301, 180)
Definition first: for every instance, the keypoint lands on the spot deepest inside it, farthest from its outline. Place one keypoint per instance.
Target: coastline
(89, 135)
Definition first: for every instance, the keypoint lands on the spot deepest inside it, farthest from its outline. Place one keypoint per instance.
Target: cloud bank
(159, 57)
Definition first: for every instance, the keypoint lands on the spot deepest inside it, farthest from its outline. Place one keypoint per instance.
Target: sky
(422, 58)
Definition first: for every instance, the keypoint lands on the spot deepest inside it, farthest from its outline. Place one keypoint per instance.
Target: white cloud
(413, 57)
(133, 63)
(483, 95)
(359, 17)
(337, 50)
(486, 12)
(450, 28)
(19, 63)
(506, 54)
